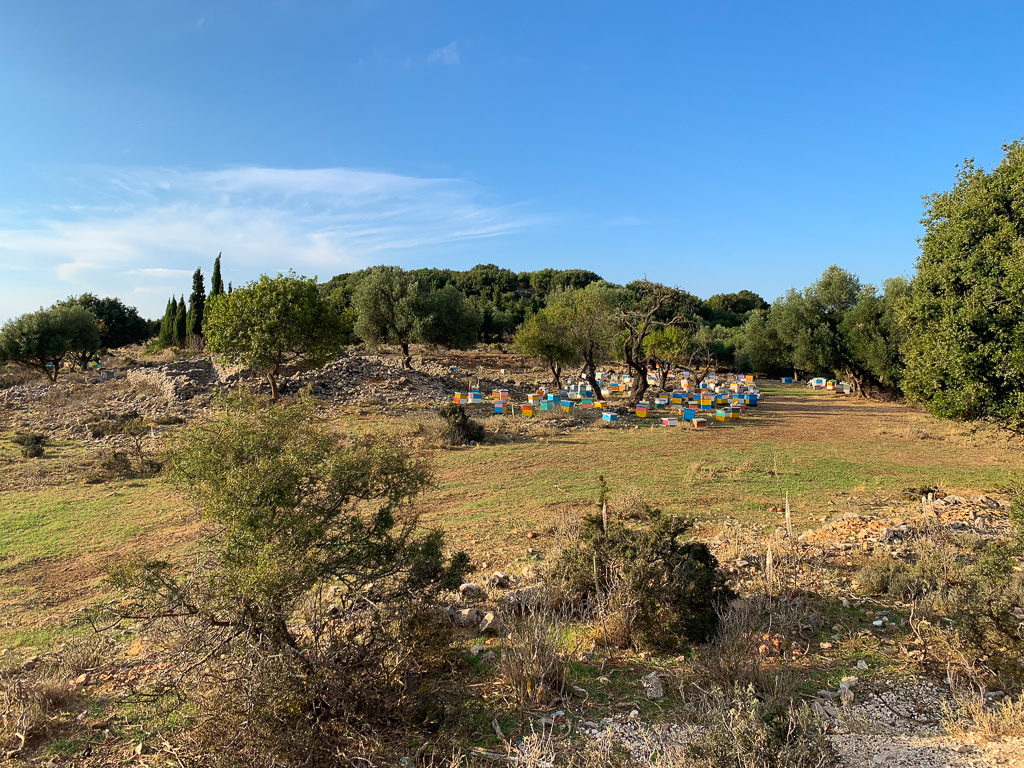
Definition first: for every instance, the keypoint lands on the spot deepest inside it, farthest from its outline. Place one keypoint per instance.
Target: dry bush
(743, 729)
(31, 710)
(757, 641)
(12, 375)
(970, 590)
(973, 718)
(449, 427)
(533, 670)
(365, 678)
(84, 654)
(736, 730)
(131, 458)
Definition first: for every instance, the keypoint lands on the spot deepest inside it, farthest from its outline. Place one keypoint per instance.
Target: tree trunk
(638, 368)
(406, 357)
(640, 385)
(556, 374)
(665, 370)
(272, 378)
(590, 373)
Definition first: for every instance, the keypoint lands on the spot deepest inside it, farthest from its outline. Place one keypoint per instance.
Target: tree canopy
(542, 337)
(271, 321)
(44, 340)
(964, 347)
(386, 306)
(119, 325)
(587, 318)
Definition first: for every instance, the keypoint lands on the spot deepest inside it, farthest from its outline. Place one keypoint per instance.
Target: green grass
(68, 521)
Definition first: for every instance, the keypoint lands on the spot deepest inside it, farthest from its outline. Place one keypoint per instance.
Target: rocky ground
(873, 717)
(184, 389)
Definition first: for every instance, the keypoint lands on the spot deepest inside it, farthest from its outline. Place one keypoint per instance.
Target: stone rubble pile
(360, 379)
(179, 380)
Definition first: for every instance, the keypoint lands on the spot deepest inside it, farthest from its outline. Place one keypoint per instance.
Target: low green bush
(668, 590)
(32, 444)
(459, 429)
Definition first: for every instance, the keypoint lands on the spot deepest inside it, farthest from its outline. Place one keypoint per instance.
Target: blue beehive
(610, 416)
(689, 414)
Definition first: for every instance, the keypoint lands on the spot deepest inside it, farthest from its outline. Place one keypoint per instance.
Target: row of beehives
(700, 405)
(721, 402)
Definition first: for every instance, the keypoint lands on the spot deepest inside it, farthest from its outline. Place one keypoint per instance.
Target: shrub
(303, 622)
(671, 589)
(32, 444)
(109, 424)
(1017, 515)
(974, 584)
(531, 664)
(459, 429)
(982, 721)
(29, 709)
(168, 420)
(742, 730)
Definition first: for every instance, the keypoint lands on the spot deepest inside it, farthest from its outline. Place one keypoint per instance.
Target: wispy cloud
(447, 55)
(143, 230)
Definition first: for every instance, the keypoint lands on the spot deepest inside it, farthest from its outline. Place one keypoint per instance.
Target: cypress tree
(216, 283)
(166, 337)
(196, 308)
(229, 289)
(180, 326)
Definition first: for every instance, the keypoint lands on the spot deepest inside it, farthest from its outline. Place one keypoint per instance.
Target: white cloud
(136, 228)
(160, 272)
(447, 55)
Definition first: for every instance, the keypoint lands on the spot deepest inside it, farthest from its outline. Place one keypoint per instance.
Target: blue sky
(715, 146)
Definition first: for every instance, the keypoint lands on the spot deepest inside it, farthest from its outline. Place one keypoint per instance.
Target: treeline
(182, 325)
(71, 333)
(499, 300)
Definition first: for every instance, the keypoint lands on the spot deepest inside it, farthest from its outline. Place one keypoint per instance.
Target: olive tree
(678, 348)
(587, 317)
(386, 306)
(541, 336)
(271, 321)
(639, 317)
(119, 324)
(964, 318)
(45, 339)
(444, 318)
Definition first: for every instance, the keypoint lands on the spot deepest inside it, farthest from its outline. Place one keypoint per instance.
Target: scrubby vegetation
(655, 588)
(303, 621)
